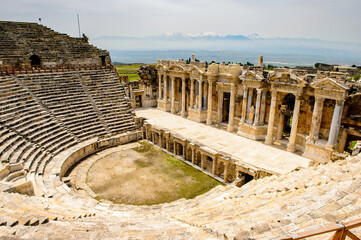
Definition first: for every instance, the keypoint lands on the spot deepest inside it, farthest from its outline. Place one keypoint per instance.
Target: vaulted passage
(35, 60)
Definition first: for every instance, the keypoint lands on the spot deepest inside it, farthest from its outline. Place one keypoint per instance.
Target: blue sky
(323, 19)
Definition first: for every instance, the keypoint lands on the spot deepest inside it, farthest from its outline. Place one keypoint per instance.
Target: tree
(356, 77)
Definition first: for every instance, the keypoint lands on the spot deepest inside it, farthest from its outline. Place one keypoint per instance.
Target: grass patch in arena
(130, 70)
(145, 175)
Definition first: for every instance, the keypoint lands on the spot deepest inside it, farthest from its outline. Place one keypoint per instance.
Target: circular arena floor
(140, 174)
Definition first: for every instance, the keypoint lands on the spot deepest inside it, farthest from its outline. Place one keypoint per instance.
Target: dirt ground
(145, 175)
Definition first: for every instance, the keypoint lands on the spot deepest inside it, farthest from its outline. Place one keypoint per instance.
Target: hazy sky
(337, 20)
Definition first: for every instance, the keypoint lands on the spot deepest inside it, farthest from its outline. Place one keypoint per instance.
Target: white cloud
(324, 19)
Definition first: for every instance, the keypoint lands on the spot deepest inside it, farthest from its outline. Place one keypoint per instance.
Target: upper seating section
(44, 114)
(19, 41)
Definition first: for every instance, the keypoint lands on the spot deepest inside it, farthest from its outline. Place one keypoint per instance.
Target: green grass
(129, 70)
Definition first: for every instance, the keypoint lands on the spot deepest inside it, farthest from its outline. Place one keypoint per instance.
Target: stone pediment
(286, 79)
(176, 68)
(329, 84)
(252, 76)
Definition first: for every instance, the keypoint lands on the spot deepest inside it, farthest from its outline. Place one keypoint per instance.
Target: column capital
(245, 88)
(273, 93)
(319, 98)
(340, 102)
(259, 90)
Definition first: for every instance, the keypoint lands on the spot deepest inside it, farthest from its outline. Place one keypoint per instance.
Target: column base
(268, 141)
(318, 151)
(209, 121)
(184, 114)
(291, 147)
(163, 105)
(252, 132)
(230, 127)
(197, 115)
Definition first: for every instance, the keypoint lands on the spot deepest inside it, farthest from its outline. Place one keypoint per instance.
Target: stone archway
(285, 117)
(35, 60)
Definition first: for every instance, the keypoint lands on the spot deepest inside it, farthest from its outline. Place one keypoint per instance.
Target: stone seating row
(31, 211)
(278, 205)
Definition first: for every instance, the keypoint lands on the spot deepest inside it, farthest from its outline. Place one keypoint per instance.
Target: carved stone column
(203, 160)
(172, 107)
(165, 88)
(200, 95)
(214, 165)
(291, 147)
(160, 86)
(258, 105)
(244, 104)
(220, 106)
(316, 119)
(193, 152)
(271, 120)
(183, 112)
(231, 108)
(263, 107)
(225, 173)
(209, 108)
(160, 140)
(281, 123)
(191, 104)
(184, 151)
(250, 98)
(335, 124)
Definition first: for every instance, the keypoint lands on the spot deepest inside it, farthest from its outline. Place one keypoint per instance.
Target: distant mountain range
(337, 52)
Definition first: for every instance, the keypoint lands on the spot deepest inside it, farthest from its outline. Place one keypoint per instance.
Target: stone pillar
(244, 104)
(250, 98)
(209, 110)
(271, 120)
(172, 107)
(280, 126)
(231, 108)
(160, 140)
(183, 112)
(191, 104)
(343, 140)
(200, 96)
(184, 151)
(316, 119)
(193, 152)
(203, 160)
(335, 124)
(175, 148)
(291, 147)
(214, 165)
(165, 88)
(160, 86)
(225, 174)
(220, 106)
(263, 108)
(258, 106)
(167, 143)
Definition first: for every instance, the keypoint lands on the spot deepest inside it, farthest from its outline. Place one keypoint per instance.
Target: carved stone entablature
(224, 86)
(253, 79)
(177, 68)
(230, 72)
(330, 88)
(195, 72)
(287, 82)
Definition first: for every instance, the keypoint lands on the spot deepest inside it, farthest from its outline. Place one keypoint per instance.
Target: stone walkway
(248, 151)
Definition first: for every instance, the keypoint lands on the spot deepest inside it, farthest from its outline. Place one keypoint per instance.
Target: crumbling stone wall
(20, 41)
